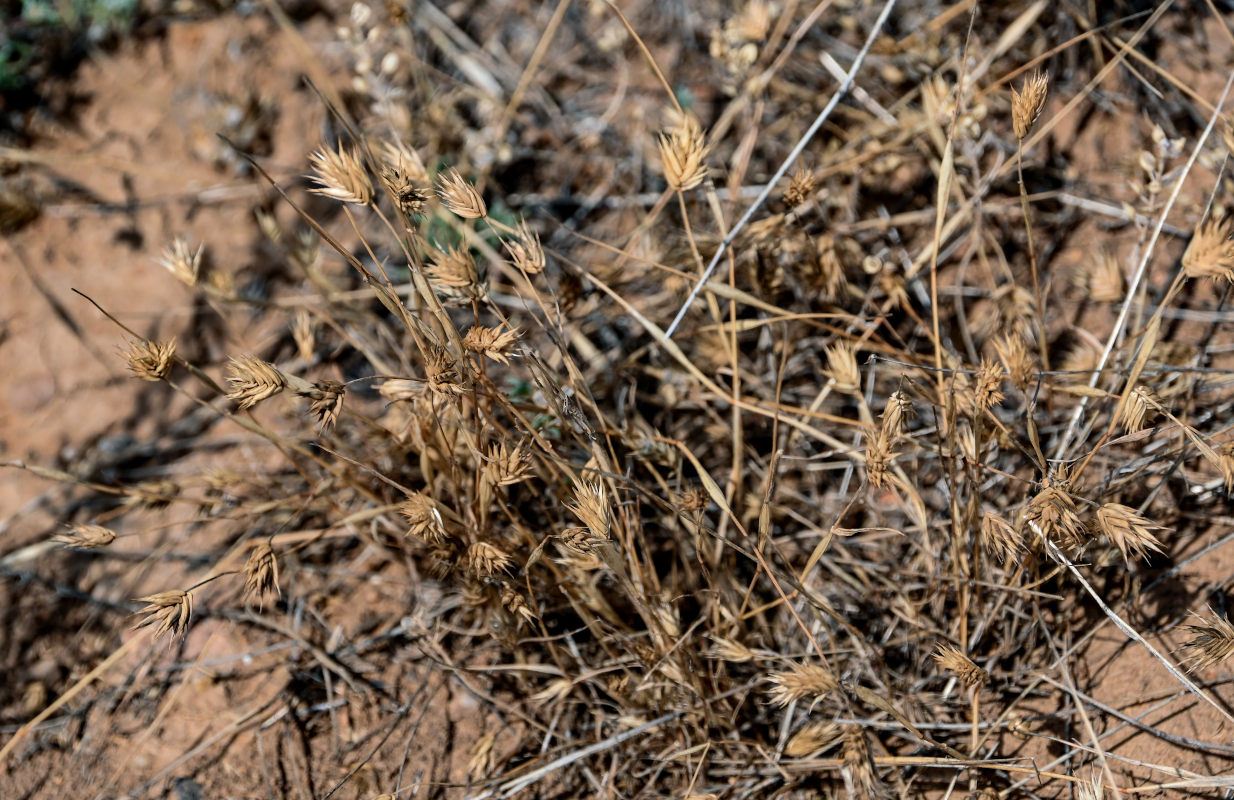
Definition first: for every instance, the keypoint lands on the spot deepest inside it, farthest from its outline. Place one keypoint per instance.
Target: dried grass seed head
(842, 366)
(253, 380)
(1027, 104)
(1210, 253)
(183, 261)
(1133, 413)
(591, 507)
(682, 151)
(86, 537)
(460, 196)
(495, 342)
(152, 361)
(879, 455)
(326, 402)
(526, 251)
(1128, 530)
(1001, 539)
(1105, 281)
(261, 572)
(800, 682)
(800, 187)
(1211, 645)
(485, 559)
(956, 662)
(340, 174)
(423, 519)
(1054, 510)
(170, 611)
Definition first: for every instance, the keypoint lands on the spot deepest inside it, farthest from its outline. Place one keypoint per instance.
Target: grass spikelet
(800, 187)
(1105, 281)
(182, 261)
(857, 765)
(1210, 253)
(454, 273)
(1130, 532)
(516, 605)
(526, 251)
(811, 738)
(1013, 351)
(954, 661)
(591, 507)
(171, 611)
(153, 495)
(1001, 539)
(1132, 414)
(1054, 510)
(152, 361)
(443, 374)
(1027, 104)
(340, 175)
(485, 560)
(86, 537)
(682, 151)
(842, 366)
(801, 682)
(987, 387)
(261, 573)
(896, 413)
(423, 519)
(506, 465)
(253, 380)
(460, 196)
(496, 343)
(326, 402)
(1211, 645)
(879, 455)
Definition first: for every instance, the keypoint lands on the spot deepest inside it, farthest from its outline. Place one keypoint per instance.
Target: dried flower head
(455, 275)
(1105, 281)
(253, 380)
(811, 682)
(879, 455)
(485, 559)
(526, 251)
(171, 611)
(1211, 644)
(842, 366)
(1130, 532)
(1210, 254)
(183, 261)
(953, 660)
(261, 572)
(423, 519)
(86, 537)
(327, 402)
(506, 465)
(495, 342)
(1026, 105)
(442, 371)
(409, 198)
(1013, 351)
(1000, 538)
(1132, 414)
(800, 187)
(682, 151)
(460, 196)
(1053, 509)
(152, 361)
(987, 387)
(591, 507)
(340, 175)
(516, 605)
(812, 737)
(857, 766)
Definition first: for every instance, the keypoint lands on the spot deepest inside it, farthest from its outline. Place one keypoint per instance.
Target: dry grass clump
(885, 422)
